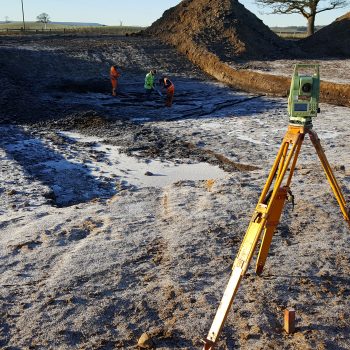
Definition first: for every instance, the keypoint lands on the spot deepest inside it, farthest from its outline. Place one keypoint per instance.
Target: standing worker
(170, 90)
(149, 82)
(114, 74)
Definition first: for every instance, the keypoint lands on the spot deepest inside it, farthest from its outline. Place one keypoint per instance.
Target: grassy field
(293, 32)
(292, 35)
(35, 27)
(39, 27)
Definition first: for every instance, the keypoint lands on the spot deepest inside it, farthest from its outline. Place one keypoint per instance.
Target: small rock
(255, 330)
(11, 192)
(50, 195)
(170, 295)
(145, 342)
(148, 173)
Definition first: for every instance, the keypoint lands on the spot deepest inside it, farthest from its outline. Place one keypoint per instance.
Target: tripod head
(304, 95)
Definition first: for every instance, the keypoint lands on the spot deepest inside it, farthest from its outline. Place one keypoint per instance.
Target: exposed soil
(231, 32)
(53, 72)
(332, 70)
(225, 28)
(218, 35)
(332, 40)
(93, 255)
(92, 259)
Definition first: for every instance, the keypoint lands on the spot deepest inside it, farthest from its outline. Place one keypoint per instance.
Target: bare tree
(308, 8)
(43, 18)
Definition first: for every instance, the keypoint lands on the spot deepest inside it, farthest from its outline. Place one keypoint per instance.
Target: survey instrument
(302, 107)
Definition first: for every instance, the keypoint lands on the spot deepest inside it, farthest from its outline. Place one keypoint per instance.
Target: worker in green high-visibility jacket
(149, 82)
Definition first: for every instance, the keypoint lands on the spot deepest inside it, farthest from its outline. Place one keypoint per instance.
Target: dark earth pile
(232, 33)
(332, 40)
(223, 27)
(215, 34)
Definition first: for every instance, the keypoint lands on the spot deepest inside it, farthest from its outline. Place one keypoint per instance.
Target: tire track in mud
(223, 162)
(176, 297)
(183, 256)
(199, 111)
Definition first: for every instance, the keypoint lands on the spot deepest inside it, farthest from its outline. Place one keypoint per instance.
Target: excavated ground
(222, 36)
(121, 216)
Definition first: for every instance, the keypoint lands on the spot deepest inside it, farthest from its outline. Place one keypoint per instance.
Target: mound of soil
(332, 40)
(223, 27)
(216, 34)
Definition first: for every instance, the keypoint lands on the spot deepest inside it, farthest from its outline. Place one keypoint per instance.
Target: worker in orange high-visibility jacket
(114, 75)
(170, 90)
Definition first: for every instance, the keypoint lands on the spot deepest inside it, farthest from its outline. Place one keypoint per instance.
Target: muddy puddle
(140, 172)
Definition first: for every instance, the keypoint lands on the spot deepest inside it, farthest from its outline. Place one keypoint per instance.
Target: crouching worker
(149, 82)
(114, 75)
(166, 83)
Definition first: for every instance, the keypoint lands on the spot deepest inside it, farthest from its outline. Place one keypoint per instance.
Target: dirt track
(93, 257)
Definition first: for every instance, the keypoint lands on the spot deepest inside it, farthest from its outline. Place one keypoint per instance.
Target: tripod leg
(270, 227)
(224, 307)
(277, 205)
(329, 174)
(240, 265)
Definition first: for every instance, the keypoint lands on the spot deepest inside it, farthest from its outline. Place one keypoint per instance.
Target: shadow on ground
(69, 182)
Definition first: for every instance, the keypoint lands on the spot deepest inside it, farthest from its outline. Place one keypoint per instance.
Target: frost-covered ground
(125, 218)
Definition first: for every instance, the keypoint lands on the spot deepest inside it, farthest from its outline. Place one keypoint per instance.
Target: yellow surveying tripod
(302, 106)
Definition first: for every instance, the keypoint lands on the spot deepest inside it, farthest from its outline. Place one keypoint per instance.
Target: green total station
(304, 94)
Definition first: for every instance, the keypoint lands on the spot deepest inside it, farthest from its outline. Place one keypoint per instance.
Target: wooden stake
(289, 320)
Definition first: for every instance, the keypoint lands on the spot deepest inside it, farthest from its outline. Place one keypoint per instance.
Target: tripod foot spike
(208, 344)
(259, 270)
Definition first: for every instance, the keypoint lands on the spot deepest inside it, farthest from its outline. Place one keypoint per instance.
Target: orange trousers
(114, 83)
(169, 96)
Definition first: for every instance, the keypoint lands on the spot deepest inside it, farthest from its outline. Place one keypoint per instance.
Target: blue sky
(130, 12)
